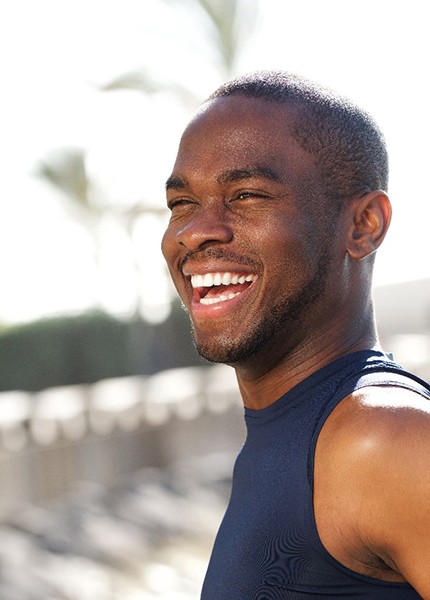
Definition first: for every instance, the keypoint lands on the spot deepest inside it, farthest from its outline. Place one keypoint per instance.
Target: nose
(207, 226)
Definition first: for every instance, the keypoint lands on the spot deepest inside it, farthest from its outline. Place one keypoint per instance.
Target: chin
(228, 351)
(274, 329)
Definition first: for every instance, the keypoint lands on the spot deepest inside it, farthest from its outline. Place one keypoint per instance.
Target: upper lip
(207, 263)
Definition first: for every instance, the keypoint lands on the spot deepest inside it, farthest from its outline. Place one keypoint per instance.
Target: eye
(250, 195)
(178, 202)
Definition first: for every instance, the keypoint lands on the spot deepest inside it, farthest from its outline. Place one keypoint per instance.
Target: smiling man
(278, 203)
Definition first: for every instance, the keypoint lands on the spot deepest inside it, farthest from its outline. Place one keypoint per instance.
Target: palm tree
(229, 24)
(66, 170)
(226, 24)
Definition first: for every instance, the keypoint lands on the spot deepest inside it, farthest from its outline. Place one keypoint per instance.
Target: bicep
(399, 499)
(408, 530)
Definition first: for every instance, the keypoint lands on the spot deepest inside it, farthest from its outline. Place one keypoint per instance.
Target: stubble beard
(284, 318)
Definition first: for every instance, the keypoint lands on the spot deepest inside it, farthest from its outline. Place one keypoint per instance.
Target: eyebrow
(175, 183)
(257, 171)
(230, 176)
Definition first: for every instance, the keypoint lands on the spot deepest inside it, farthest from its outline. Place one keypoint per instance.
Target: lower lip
(219, 309)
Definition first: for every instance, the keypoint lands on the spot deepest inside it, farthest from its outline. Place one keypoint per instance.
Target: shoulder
(373, 422)
(385, 435)
(378, 416)
(378, 443)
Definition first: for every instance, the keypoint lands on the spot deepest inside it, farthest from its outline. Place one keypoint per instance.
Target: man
(278, 203)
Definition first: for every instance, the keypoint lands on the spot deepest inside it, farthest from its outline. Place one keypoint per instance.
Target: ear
(370, 219)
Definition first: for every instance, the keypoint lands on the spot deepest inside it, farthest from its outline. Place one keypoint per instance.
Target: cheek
(170, 250)
(282, 238)
(168, 246)
(291, 252)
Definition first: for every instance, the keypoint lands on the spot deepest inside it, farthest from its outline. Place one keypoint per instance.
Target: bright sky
(55, 53)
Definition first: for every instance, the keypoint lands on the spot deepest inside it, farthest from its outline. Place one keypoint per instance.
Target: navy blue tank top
(268, 547)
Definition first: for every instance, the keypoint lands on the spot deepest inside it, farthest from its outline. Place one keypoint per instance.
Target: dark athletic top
(268, 546)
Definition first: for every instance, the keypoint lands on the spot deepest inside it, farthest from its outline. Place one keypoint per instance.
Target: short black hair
(349, 146)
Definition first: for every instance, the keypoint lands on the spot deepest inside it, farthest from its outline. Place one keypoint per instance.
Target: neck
(264, 379)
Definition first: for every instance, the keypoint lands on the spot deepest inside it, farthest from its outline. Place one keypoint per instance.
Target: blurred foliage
(224, 16)
(93, 346)
(66, 170)
(228, 25)
(89, 347)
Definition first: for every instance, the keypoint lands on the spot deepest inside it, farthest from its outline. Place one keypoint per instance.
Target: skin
(246, 199)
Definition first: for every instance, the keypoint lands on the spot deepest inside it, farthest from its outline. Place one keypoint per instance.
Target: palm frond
(143, 81)
(66, 170)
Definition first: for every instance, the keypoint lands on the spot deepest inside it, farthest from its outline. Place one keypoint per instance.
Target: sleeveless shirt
(268, 547)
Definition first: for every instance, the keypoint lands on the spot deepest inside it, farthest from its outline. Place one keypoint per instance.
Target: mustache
(218, 254)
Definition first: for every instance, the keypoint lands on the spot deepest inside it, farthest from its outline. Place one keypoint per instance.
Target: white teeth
(197, 280)
(215, 279)
(221, 298)
(211, 279)
(208, 280)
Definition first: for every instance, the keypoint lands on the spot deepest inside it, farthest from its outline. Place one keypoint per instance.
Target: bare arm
(395, 483)
(372, 485)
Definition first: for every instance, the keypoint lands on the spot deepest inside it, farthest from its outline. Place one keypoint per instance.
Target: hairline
(324, 123)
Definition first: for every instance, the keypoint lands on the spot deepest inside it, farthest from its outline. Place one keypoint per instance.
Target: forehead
(237, 132)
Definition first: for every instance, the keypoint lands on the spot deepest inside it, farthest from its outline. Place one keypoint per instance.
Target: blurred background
(116, 440)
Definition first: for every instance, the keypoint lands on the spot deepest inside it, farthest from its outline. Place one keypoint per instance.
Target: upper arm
(393, 471)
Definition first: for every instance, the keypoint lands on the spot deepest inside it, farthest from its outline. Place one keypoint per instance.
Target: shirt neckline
(293, 397)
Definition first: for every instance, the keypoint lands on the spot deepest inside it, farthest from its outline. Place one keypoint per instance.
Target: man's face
(248, 244)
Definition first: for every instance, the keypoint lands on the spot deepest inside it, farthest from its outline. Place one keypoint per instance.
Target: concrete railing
(53, 439)
(56, 438)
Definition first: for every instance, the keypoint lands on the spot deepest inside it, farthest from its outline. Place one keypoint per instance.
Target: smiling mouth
(213, 288)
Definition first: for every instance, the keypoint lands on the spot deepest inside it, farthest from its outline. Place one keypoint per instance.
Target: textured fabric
(268, 547)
